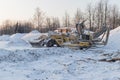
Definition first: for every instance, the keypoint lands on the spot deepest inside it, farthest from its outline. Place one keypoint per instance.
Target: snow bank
(5, 38)
(114, 39)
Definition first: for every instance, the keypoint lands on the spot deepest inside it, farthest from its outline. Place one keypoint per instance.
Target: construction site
(83, 45)
(78, 37)
(67, 53)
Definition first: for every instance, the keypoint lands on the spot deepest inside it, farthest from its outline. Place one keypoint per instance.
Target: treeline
(39, 22)
(97, 15)
(103, 14)
(9, 27)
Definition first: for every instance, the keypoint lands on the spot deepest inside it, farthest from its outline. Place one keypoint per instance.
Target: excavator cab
(84, 38)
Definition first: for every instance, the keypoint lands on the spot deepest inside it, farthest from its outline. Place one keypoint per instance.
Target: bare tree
(78, 16)
(66, 20)
(106, 12)
(100, 13)
(55, 23)
(93, 18)
(7, 24)
(114, 16)
(89, 9)
(48, 23)
(39, 17)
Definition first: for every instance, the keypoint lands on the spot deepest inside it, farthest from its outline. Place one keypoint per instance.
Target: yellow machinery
(78, 39)
(67, 40)
(81, 38)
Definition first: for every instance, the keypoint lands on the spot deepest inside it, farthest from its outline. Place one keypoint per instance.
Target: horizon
(21, 10)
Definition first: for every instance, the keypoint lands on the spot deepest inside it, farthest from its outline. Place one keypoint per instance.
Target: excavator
(81, 38)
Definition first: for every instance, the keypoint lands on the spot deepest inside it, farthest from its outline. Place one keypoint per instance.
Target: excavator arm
(104, 33)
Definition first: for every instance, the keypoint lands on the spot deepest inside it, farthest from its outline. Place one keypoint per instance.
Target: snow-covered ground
(19, 61)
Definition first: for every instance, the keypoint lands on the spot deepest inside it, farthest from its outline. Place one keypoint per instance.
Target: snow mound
(15, 40)
(18, 42)
(35, 31)
(115, 31)
(33, 35)
(4, 38)
(114, 40)
(17, 35)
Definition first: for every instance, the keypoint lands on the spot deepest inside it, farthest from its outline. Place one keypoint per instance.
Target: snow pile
(5, 38)
(18, 42)
(17, 35)
(114, 40)
(33, 35)
(35, 31)
(15, 40)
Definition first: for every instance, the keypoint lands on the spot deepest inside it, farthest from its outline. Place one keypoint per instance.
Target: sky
(24, 9)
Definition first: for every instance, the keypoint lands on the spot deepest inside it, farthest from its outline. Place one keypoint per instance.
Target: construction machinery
(81, 38)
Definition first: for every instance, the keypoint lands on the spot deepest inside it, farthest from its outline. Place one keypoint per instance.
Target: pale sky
(24, 9)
